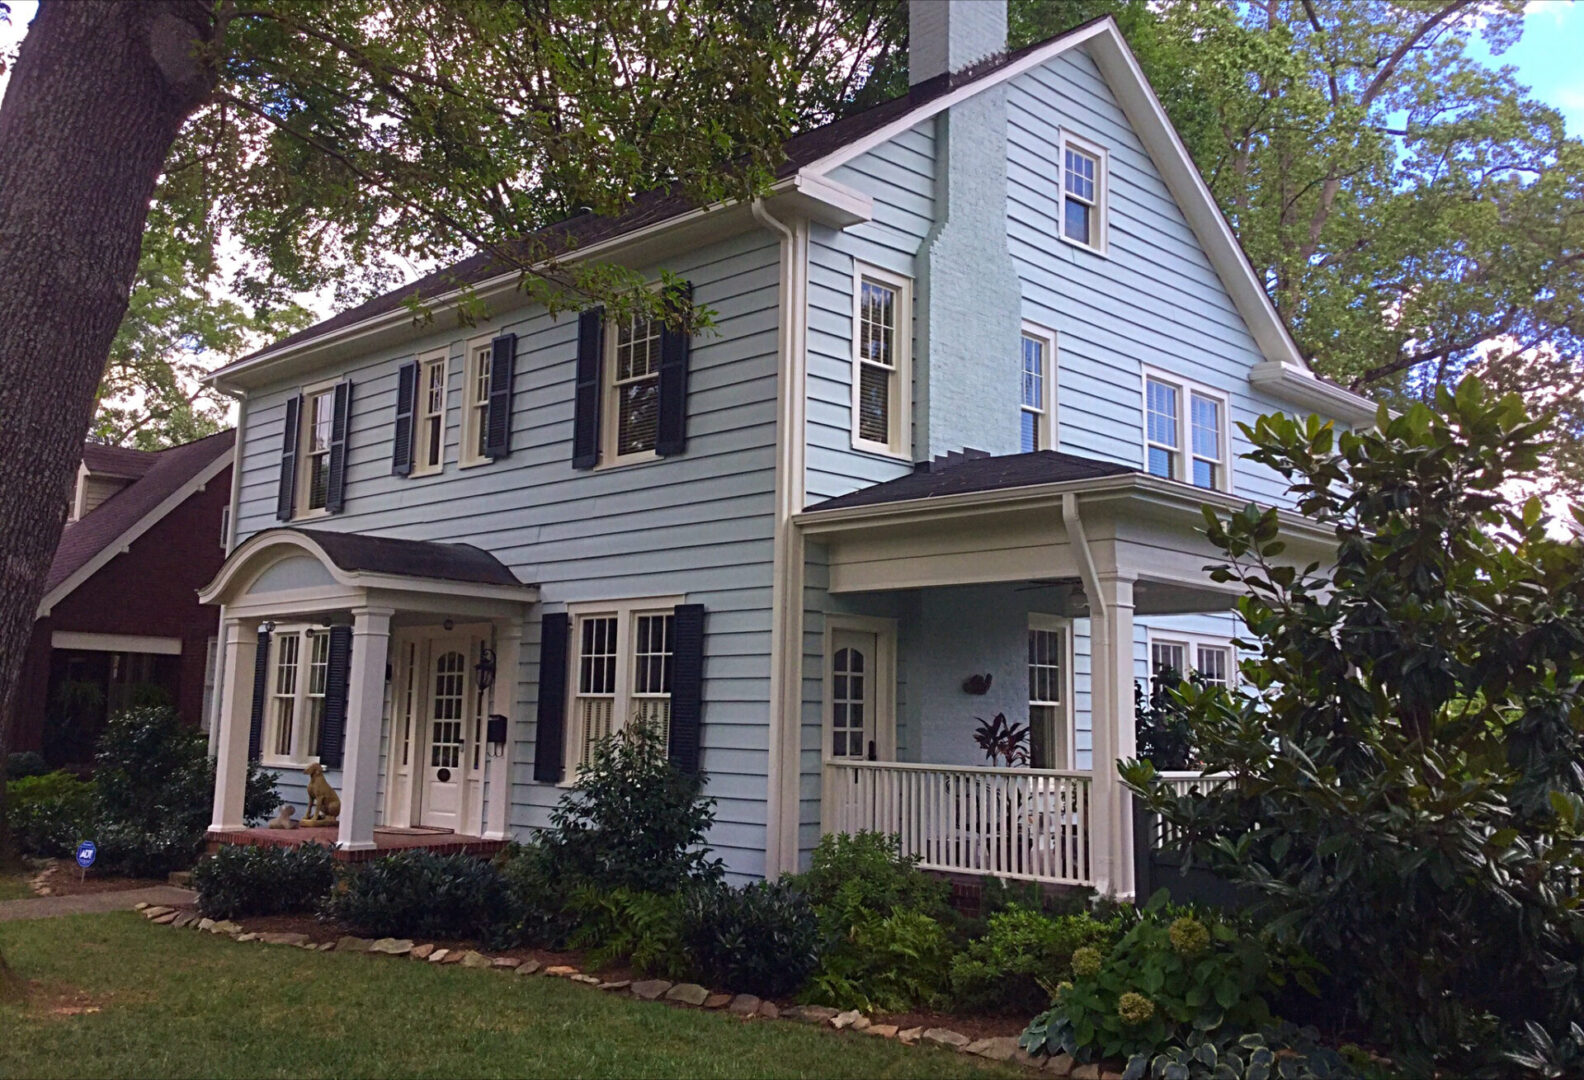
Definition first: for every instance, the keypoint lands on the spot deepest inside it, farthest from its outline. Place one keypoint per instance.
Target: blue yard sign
(85, 853)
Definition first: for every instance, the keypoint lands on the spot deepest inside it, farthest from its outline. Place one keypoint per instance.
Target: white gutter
(1086, 565)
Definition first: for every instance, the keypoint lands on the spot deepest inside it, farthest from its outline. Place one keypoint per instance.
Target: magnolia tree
(1407, 793)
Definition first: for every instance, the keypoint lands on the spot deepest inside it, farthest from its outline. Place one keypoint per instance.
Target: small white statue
(283, 818)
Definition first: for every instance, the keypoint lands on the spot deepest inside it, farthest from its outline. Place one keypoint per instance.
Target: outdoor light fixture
(449, 625)
(268, 626)
(485, 668)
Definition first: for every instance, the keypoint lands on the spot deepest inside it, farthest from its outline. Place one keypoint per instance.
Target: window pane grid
(1168, 655)
(1160, 427)
(432, 431)
(1206, 433)
(445, 751)
(847, 704)
(285, 704)
(1033, 401)
(483, 360)
(877, 354)
(1044, 667)
(1214, 664)
(321, 410)
(636, 383)
(1079, 173)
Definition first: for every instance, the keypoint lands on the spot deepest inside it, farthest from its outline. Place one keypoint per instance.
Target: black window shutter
(687, 685)
(286, 501)
(340, 418)
(338, 674)
(406, 409)
(497, 418)
(586, 402)
(550, 739)
(260, 695)
(674, 345)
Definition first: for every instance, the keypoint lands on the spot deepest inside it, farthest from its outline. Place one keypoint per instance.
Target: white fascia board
(79, 641)
(1301, 387)
(124, 542)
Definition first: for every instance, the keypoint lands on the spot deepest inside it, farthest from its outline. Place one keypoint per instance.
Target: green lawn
(15, 887)
(114, 996)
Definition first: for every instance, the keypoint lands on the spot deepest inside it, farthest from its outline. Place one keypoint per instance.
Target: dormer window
(1084, 168)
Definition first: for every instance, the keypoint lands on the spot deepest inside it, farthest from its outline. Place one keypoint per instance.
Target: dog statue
(283, 817)
(324, 805)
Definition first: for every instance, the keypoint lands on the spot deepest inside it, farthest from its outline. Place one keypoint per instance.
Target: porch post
(1111, 833)
(498, 775)
(231, 737)
(365, 698)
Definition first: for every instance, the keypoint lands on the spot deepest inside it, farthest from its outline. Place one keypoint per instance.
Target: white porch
(945, 589)
(375, 659)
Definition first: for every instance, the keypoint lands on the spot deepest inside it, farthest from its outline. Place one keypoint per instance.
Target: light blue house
(977, 362)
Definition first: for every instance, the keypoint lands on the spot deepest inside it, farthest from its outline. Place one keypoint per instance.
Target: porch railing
(1026, 824)
(1181, 783)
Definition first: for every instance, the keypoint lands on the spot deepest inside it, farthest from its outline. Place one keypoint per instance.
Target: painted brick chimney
(969, 293)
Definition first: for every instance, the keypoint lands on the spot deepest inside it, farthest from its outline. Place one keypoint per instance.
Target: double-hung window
(622, 659)
(1084, 168)
(1049, 737)
(632, 390)
(1185, 432)
(1209, 658)
(882, 375)
(429, 443)
(1037, 407)
(317, 424)
(299, 672)
(475, 402)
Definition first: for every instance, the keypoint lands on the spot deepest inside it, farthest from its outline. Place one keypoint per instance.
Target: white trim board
(135, 530)
(129, 643)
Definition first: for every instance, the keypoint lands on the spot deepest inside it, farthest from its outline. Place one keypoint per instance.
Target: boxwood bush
(241, 880)
(760, 939)
(420, 894)
(50, 813)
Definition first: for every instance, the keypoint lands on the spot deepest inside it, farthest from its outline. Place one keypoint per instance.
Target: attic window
(1084, 169)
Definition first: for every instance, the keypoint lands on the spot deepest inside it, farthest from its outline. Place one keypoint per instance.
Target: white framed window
(315, 426)
(630, 424)
(882, 362)
(1213, 659)
(1085, 192)
(1185, 432)
(429, 418)
(1049, 662)
(622, 658)
(475, 401)
(1037, 407)
(299, 672)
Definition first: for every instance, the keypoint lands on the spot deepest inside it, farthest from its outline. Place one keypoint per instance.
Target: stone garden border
(692, 995)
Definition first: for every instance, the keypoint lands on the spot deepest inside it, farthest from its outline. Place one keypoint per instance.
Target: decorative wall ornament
(978, 684)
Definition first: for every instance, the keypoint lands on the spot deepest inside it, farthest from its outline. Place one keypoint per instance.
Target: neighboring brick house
(120, 620)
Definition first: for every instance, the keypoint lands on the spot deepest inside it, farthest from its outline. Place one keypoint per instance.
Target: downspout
(1080, 542)
(782, 778)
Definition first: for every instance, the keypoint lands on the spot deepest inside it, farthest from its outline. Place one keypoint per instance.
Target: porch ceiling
(1135, 525)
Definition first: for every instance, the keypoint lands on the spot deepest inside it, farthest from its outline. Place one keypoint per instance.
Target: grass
(14, 887)
(114, 996)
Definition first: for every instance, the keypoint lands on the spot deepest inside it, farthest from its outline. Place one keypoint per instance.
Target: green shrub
(1021, 952)
(22, 764)
(1170, 974)
(50, 813)
(633, 820)
(853, 876)
(763, 938)
(542, 896)
(420, 894)
(891, 962)
(155, 793)
(244, 880)
(622, 927)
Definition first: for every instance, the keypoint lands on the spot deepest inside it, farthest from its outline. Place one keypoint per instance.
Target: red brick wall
(150, 590)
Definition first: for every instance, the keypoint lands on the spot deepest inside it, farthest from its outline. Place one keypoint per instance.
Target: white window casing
(1211, 657)
(1084, 192)
(1037, 403)
(1186, 431)
(1050, 692)
(882, 374)
(630, 390)
(429, 417)
(314, 428)
(475, 401)
(294, 713)
(621, 662)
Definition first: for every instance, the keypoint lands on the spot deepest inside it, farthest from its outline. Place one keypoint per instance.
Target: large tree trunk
(98, 94)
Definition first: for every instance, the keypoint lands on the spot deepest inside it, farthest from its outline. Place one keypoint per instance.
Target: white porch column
(1111, 816)
(503, 699)
(240, 642)
(365, 698)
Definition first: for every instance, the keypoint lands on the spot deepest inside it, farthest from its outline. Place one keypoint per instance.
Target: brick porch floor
(385, 841)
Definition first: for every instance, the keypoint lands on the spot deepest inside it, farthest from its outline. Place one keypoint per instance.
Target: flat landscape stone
(616, 986)
(439, 956)
(1060, 1064)
(844, 1020)
(449, 956)
(743, 1005)
(284, 939)
(814, 1014)
(650, 989)
(885, 1031)
(528, 967)
(165, 919)
(155, 911)
(1000, 1048)
(353, 944)
(247, 937)
(1086, 1072)
(140, 905)
(206, 924)
(225, 926)
(421, 952)
(471, 959)
(507, 962)
(584, 978)
(560, 971)
(325, 946)
(909, 1036)
(183, 920)
(687, 994)
(717, 1001)
(945, 1037)
(770, 1010)
(389, 946)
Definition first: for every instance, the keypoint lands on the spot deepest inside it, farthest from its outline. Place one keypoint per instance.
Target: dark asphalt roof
(354, 552)
(962, 475)
(656, 206)
(118, 461)
(164, 473)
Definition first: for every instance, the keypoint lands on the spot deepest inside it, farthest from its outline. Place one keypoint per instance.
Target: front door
(449, 726)
(854, 680)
